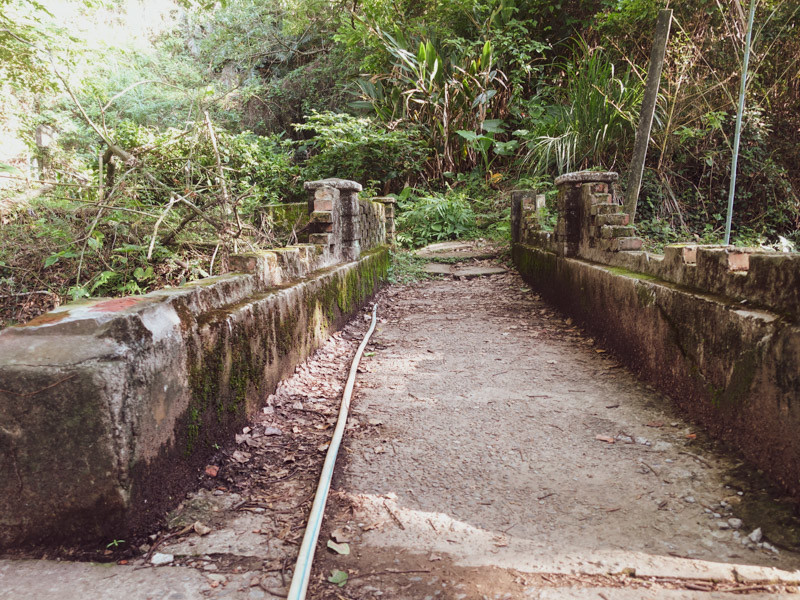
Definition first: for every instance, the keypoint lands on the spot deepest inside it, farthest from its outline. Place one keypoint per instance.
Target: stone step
(621, 219)
(622, 244)
(461, 271)
(617, 231)
(605, 209)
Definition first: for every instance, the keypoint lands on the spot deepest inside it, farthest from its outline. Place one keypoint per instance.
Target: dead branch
(215, 224)
(126, 90)
(225, 197)
(18, 294)
(169, 206)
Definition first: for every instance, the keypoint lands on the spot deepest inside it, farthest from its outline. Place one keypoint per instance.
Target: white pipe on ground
(302, 568)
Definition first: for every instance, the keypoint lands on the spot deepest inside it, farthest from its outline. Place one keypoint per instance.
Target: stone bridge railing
(110, 407)
(715, 327)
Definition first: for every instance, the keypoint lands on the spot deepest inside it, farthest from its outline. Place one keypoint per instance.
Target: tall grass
(592, 118)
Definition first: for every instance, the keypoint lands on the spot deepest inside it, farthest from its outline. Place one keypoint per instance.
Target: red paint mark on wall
(116, 304)
(46, 319)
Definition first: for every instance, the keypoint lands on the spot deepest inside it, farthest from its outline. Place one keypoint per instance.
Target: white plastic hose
(302, 568)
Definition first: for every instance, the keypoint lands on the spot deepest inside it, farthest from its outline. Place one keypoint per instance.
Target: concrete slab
(477, 254)
(444, 247)
(492, 472)
(51, 580)
(470, 272)
(457, 271)
(438, 269)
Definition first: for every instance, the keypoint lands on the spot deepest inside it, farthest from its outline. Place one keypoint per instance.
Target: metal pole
(737, 136)
(648, 110)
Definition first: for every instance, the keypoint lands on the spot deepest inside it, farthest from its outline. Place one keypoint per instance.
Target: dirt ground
(493, 451)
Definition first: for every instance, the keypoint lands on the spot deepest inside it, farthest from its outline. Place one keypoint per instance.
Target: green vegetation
(407, 267)
(160, 141)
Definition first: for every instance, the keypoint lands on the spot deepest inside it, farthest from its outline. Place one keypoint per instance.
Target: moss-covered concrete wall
(732, 367)
(108, 409)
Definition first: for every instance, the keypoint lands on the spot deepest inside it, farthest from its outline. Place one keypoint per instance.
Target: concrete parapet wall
(733, 368)
(756, 278)
(110, 407)
(715, 327)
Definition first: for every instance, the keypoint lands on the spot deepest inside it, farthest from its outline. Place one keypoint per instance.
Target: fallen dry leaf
(201, 529)
(604, 438)
(340, 536)
(655, 424)
(339, 548)
(212, 470)
(241, 457)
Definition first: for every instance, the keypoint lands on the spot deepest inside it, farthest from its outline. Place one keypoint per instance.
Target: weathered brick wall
(372, 218)
(592, 226)
(342, 222)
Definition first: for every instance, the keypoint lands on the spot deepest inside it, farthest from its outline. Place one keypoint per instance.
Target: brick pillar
(525, 212)
(335, 220)
(388, 208)
(572, 227)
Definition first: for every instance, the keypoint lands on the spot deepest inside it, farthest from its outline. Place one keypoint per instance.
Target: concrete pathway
(493, 451)
(516, 459)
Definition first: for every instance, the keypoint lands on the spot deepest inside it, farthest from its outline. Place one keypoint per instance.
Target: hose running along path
(302, 569)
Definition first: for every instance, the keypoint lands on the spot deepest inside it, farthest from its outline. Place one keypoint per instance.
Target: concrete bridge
(499, 447)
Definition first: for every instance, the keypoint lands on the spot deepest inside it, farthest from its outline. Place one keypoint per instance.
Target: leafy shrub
(360, 149)
(318, 85)
(439, 91)
(259, 169)
(434, 218)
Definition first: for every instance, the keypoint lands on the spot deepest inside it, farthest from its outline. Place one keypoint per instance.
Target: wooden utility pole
(647, 112)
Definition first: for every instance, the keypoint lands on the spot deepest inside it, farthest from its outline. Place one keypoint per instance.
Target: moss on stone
(631, 274)
(740, 382)
(646, 295)
(534, 264)
(224, 373)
